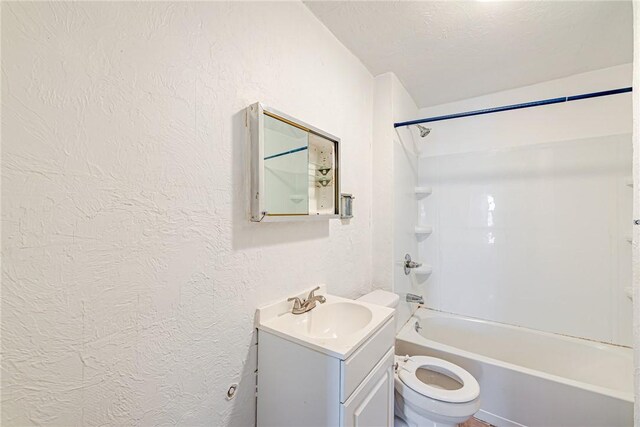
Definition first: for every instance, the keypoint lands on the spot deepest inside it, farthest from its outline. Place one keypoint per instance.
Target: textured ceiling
(447, 51)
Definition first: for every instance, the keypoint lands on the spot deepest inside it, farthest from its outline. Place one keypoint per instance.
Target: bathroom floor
(474, 423)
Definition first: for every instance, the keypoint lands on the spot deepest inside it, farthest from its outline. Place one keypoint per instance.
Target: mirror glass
(286, 168)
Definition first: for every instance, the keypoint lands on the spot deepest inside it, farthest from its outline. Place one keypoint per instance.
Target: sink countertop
(277, 319)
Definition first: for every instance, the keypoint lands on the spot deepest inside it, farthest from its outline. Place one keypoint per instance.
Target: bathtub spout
(418, 299)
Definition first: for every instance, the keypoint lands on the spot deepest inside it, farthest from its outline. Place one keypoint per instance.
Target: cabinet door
(371, 405)
(359, 366)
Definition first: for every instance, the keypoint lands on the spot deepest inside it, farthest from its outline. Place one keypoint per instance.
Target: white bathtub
(527, 377)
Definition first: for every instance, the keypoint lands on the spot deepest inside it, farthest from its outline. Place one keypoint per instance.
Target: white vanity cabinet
(317, 383)
(372, 403)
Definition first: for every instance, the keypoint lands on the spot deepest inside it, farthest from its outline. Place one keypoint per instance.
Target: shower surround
(531, 210)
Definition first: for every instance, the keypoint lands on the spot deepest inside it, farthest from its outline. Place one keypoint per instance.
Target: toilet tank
(383, 298)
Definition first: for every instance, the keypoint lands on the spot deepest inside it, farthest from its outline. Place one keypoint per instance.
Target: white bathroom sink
(336, 327)
(333, 320)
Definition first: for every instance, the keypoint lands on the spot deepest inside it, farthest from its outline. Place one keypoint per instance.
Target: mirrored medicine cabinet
(294, 168)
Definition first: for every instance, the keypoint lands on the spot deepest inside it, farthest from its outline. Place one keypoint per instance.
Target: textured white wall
(394, 206)
(130, 271)
(539, 190)
(636, 207)
(405, 206)
(382, 175)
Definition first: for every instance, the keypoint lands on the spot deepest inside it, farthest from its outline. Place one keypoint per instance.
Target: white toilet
(429, 391)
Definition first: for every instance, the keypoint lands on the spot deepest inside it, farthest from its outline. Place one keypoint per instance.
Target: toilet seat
(469, 391)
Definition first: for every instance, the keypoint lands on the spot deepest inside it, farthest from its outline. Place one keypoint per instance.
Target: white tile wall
(533, 235)
(394, 177)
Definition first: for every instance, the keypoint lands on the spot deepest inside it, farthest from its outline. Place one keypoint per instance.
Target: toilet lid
(469, 391)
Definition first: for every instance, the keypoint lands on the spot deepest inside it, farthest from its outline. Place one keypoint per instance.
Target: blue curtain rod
(515, 106)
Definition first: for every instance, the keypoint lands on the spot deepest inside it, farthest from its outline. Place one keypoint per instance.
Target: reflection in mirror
(322, 186)
(286, 170)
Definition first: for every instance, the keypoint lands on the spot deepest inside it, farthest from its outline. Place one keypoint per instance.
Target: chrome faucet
(418, 299)
(300, 306)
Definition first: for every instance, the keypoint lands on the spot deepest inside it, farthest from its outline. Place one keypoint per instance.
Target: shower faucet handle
(409, 264)
(413, 264)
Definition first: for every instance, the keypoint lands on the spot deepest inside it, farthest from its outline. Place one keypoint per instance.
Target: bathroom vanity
(330, 366)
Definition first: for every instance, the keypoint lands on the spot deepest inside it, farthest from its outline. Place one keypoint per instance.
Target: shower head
(423, 131)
